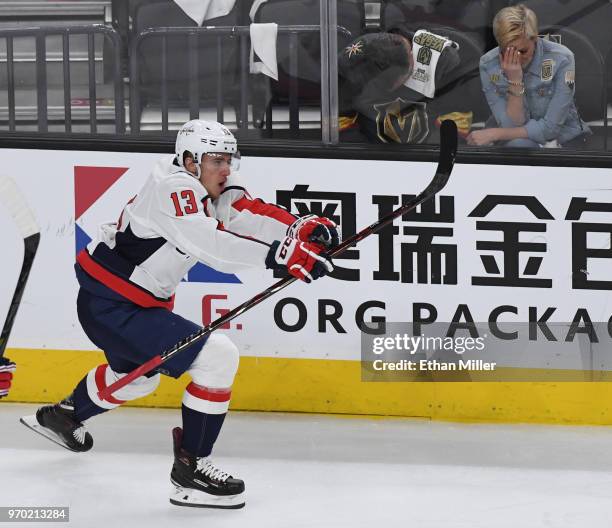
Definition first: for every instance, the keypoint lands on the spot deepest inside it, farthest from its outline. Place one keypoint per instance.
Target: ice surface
(320, 471)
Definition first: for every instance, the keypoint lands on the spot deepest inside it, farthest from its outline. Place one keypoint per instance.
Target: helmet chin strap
(197, 165)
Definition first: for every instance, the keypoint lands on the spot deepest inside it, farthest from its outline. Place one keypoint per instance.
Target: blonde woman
(529, 84)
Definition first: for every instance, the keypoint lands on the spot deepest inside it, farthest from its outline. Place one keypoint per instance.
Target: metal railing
(220, 33)
(22, 9)
(40, 34)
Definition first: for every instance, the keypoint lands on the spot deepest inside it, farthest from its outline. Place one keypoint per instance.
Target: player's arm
(270, 222)
(254, 217)
(7, 367)
(180, 217)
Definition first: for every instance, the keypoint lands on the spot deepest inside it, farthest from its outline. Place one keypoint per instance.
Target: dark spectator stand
(146, 80)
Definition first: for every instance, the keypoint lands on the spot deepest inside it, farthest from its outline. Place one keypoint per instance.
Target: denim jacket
(549, 93)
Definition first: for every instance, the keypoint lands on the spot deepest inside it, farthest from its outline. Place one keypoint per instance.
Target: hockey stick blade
(15, 203)
(13, 200)
(448, 152)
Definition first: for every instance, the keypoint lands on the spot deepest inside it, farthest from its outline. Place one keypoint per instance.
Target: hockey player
(192, 208)
(7, 367)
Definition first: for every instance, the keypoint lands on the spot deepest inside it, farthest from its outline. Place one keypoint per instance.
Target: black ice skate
(199, 483)
(58, 424)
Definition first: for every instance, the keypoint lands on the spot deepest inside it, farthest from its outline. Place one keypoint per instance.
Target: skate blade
(198, 499)
(32, 423)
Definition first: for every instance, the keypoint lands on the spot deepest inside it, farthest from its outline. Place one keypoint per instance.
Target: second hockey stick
(448, 151)
(24, 219)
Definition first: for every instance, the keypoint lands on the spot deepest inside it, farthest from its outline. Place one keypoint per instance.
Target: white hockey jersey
(170, 225)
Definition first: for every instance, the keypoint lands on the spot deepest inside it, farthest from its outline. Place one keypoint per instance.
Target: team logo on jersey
(547, 70)
(354, 49)
(494, 77)
(402, 121)
(424, 56)
(570, 79)
(94, 205)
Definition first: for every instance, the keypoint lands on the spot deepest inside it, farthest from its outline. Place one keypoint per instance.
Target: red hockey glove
(7, 367)
(301, 259)
(316, 229)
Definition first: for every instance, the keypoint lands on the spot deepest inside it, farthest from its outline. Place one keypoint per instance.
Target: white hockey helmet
(200, 137)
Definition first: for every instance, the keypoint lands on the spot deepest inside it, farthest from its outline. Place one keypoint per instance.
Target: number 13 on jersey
(184, 202)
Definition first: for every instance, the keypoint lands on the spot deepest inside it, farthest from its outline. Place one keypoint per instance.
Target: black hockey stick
(24, 219)
(448, 150)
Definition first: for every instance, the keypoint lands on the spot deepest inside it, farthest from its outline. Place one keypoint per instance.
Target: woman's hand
(482, 137)
(511, 64)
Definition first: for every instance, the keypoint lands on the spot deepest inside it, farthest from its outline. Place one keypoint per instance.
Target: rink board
(334, 386)
(301, 349)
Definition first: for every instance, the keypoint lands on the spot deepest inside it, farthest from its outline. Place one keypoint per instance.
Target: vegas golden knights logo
(546, 72)
(402, 121)
(424, 56)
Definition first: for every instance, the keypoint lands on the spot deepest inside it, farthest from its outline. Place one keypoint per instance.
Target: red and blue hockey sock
(203, 411)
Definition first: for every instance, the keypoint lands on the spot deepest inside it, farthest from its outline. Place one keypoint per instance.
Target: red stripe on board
(92, 182)
(213, 395)
(261, 208)
(121, 286)
(100, 377)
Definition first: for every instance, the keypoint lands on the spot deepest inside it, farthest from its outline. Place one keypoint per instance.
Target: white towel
(263, 43)
(200, 10)
(426, 50)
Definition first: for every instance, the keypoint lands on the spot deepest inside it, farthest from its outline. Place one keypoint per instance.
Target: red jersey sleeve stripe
(259, 207)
